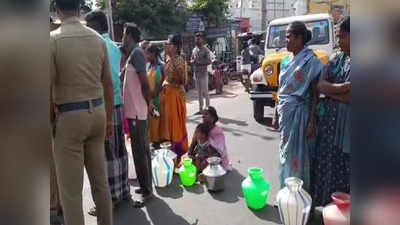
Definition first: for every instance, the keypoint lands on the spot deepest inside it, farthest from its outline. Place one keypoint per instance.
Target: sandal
(92, 211)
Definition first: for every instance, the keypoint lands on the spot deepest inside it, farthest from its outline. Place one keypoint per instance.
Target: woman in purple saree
(216, 137)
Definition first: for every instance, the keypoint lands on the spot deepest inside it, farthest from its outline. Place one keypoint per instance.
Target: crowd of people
(104, 96)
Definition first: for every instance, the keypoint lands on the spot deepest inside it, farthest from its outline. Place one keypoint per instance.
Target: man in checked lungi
(116, 154)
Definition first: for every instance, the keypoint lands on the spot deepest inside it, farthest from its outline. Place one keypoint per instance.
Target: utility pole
(346, 13)
(110, 19)
(241, 8)
(263, 15)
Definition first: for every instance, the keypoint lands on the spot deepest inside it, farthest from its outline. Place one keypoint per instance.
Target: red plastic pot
(337, 212)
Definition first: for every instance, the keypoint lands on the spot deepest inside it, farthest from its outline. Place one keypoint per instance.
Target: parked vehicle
(243, 67)
(227, 66)
(226, 70)
(265, 80)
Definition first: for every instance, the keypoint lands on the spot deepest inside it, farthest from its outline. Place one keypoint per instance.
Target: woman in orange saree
(172, 99)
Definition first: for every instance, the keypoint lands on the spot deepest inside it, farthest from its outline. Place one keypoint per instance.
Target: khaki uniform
(78, 64)
(55, 205)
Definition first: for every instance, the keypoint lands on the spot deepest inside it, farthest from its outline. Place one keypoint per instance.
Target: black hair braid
(345, 24)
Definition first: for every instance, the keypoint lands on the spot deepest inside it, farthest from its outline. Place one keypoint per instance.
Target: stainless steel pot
(214, 175)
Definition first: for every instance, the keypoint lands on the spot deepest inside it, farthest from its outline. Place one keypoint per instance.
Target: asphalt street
(250, 144)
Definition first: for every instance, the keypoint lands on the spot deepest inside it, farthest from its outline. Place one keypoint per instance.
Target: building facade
(252, 9)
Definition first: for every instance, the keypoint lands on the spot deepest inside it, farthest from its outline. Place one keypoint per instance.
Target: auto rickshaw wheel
(258, 110)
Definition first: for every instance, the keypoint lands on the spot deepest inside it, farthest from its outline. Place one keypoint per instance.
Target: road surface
(249, 144)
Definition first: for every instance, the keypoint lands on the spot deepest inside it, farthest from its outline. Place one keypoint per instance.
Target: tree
(216, 11)
(157, 18)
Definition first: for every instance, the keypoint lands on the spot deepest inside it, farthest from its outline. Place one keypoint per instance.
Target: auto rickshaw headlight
(257, 78)
(269, 70)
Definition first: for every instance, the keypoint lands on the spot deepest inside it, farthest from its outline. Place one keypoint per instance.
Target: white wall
(300, 7)
(275, 9)
(247, 11)
(279, 8)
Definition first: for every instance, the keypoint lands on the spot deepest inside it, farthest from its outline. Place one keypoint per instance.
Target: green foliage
(216, 11)
(158, 18)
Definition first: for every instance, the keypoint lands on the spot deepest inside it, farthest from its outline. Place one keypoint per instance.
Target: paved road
(249, 143)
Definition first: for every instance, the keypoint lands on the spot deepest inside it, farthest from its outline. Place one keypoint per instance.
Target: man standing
(201, 59)
(81, 82)
(136, 101)
(116, 154)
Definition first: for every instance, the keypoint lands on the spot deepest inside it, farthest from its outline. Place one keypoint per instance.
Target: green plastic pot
(188, 173)
(255, 189)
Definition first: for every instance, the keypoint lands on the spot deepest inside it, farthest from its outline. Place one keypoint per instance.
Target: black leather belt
(68, 107)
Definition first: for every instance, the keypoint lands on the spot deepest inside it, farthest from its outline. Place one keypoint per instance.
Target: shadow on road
(269, 213)
(233, 131)
(158, 212)
(267, 122)
(125, 213)
(195, 189)
(233, 188)
(230, 121)
(174, 190)
(161, 214)
(225, 94)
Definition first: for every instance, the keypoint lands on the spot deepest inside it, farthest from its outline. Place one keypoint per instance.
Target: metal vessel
(294, 203)
(214, 175)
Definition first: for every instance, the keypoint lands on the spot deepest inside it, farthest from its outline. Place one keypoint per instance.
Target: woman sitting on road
(216, 137)
(202, 150)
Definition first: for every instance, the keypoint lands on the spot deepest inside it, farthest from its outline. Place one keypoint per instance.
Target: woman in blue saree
(297, 101)
(330, 159)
